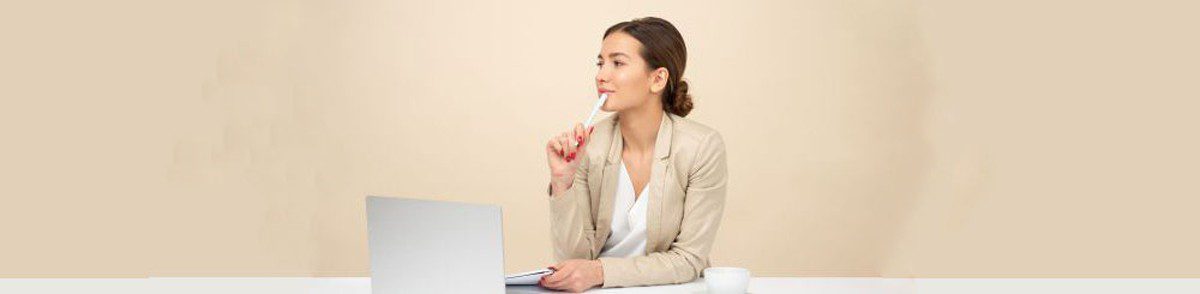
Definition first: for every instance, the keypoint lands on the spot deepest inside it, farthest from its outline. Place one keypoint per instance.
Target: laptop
(427, 246)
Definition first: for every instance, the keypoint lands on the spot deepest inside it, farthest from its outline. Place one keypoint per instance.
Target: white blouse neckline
(628, 237)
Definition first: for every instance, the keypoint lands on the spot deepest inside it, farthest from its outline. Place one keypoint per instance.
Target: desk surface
(766, 285)
(363, 286)
(757, 286)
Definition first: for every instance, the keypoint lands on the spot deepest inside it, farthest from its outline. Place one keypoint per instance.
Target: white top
(628, 238)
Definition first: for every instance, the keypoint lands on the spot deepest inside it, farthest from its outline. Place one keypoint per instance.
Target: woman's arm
(572, 231)
(703, 203)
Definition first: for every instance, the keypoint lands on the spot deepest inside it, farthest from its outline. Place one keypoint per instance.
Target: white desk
(766, 285)
(757, 286)
(363, 286)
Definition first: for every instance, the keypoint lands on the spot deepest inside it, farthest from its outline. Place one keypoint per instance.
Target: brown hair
(662, 46)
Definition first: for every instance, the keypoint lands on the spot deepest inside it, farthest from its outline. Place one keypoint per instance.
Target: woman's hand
(564, 156)
(575, 275)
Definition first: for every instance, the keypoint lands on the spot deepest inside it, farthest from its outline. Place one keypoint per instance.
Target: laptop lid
(426, 246)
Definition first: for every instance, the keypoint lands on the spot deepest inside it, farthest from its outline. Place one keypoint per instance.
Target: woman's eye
(618, 63)
(599, 64)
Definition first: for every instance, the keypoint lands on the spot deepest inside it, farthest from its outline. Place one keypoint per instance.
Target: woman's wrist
(598, 273)
(558, 185)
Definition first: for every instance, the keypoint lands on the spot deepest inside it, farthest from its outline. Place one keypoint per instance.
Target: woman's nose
(602, 76)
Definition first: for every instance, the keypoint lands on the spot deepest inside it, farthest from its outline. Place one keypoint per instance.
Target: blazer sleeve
(704, 202)
(572, 230)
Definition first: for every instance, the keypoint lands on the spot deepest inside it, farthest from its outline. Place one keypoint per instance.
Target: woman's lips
(601, 92)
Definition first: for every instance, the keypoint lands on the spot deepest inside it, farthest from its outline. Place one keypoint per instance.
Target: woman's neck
(639, 127)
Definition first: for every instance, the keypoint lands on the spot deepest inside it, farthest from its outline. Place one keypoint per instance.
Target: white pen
(595, 110)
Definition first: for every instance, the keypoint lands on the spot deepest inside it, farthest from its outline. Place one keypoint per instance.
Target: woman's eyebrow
(612, 55)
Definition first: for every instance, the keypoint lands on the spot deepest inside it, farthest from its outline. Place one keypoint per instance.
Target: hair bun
(681, 103)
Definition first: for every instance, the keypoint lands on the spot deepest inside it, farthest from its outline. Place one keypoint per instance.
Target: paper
(527, 278)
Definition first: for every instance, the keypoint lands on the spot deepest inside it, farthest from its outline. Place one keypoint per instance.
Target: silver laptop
(425, 246)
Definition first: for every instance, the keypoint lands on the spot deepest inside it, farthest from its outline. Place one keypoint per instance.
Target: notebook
(527, 278)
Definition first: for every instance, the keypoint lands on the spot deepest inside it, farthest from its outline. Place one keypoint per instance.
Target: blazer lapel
(608, 188)
(654, 210)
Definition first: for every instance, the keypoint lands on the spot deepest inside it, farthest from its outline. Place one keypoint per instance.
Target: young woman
(637, 198)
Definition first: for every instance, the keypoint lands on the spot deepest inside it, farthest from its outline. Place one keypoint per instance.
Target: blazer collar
(662, 144)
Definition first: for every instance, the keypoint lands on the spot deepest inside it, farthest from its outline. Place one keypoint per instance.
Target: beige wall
(898, 138)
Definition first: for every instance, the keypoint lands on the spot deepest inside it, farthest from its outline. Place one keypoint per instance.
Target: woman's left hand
(575, 275)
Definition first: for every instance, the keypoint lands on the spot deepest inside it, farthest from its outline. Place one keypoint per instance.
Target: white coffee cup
(727, 280)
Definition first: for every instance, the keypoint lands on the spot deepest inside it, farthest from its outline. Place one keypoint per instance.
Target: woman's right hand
(564, 157)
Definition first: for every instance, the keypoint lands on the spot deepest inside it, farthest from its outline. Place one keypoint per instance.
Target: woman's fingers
(553, 277)
(545, 282)
(562, 143)
(560, 283)
(555, 147)
(556, 280)
(580, 135)
(587, 135)
(568, 145)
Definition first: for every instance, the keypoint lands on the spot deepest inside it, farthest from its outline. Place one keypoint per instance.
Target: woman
(637, 198)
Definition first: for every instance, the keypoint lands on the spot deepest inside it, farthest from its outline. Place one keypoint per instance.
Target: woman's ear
(658, 80)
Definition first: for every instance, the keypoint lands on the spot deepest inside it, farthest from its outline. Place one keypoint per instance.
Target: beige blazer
(687, 197)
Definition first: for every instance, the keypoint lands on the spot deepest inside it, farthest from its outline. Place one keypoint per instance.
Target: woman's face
(625, 75)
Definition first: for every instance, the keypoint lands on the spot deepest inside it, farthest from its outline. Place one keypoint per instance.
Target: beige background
(896, 138)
